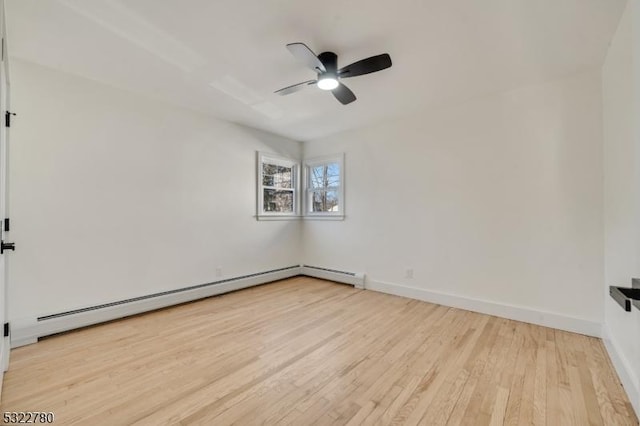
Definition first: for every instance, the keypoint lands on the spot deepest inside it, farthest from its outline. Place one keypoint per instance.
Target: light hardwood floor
(305, 351)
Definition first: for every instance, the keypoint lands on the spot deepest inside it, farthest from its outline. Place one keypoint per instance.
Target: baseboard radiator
(353, 278)
(27, 331)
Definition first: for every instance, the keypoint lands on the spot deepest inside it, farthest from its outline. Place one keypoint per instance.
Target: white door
(4, 135)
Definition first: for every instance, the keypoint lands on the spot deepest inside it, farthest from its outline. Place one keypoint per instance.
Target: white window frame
(308, 190)
(265, 157)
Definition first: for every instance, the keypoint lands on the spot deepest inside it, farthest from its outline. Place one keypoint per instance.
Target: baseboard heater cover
(26, 331)
(353, 278)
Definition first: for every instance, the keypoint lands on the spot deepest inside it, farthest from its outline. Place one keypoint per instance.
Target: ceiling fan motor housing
(330, 62)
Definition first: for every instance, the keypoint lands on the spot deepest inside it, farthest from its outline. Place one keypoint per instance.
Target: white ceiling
(227, 57)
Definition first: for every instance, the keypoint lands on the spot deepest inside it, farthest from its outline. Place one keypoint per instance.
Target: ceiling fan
(326, 66)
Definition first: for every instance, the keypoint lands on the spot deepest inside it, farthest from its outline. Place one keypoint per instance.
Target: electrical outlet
(218, 272)
(409, 273)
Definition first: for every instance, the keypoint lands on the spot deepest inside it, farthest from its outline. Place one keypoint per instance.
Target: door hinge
(6, 246)
(6, 225)
(7, 118)
(7, 329)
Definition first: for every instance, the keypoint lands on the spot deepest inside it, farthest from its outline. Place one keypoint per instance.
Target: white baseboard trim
(6, 353)
(28, 330)
(518, 313)
(353, 278)
(4, 357)
(623, 368)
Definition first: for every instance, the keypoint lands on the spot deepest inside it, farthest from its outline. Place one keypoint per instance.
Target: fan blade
(366, 66)
(343, 94)
(294, 88)
(306, 56)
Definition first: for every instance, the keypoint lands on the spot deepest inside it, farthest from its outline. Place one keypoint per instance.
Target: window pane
(278, 201)
(325, 201)
(278, 176)
(324, 176)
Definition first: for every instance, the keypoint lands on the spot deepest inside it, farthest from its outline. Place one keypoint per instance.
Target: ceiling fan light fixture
(328, 82)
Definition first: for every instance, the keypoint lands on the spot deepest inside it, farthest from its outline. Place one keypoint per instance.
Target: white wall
(621, 200)
(115, 196)
(498, 200)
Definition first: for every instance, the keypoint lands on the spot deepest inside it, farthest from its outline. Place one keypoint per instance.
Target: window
(277, 187)
(324, 187)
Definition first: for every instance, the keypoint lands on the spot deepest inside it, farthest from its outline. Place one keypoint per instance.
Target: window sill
(278, 217)
(322, 217)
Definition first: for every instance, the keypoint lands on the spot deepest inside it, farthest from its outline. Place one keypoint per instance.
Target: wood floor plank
(553, 411)
(497, 416)
(308, 351)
